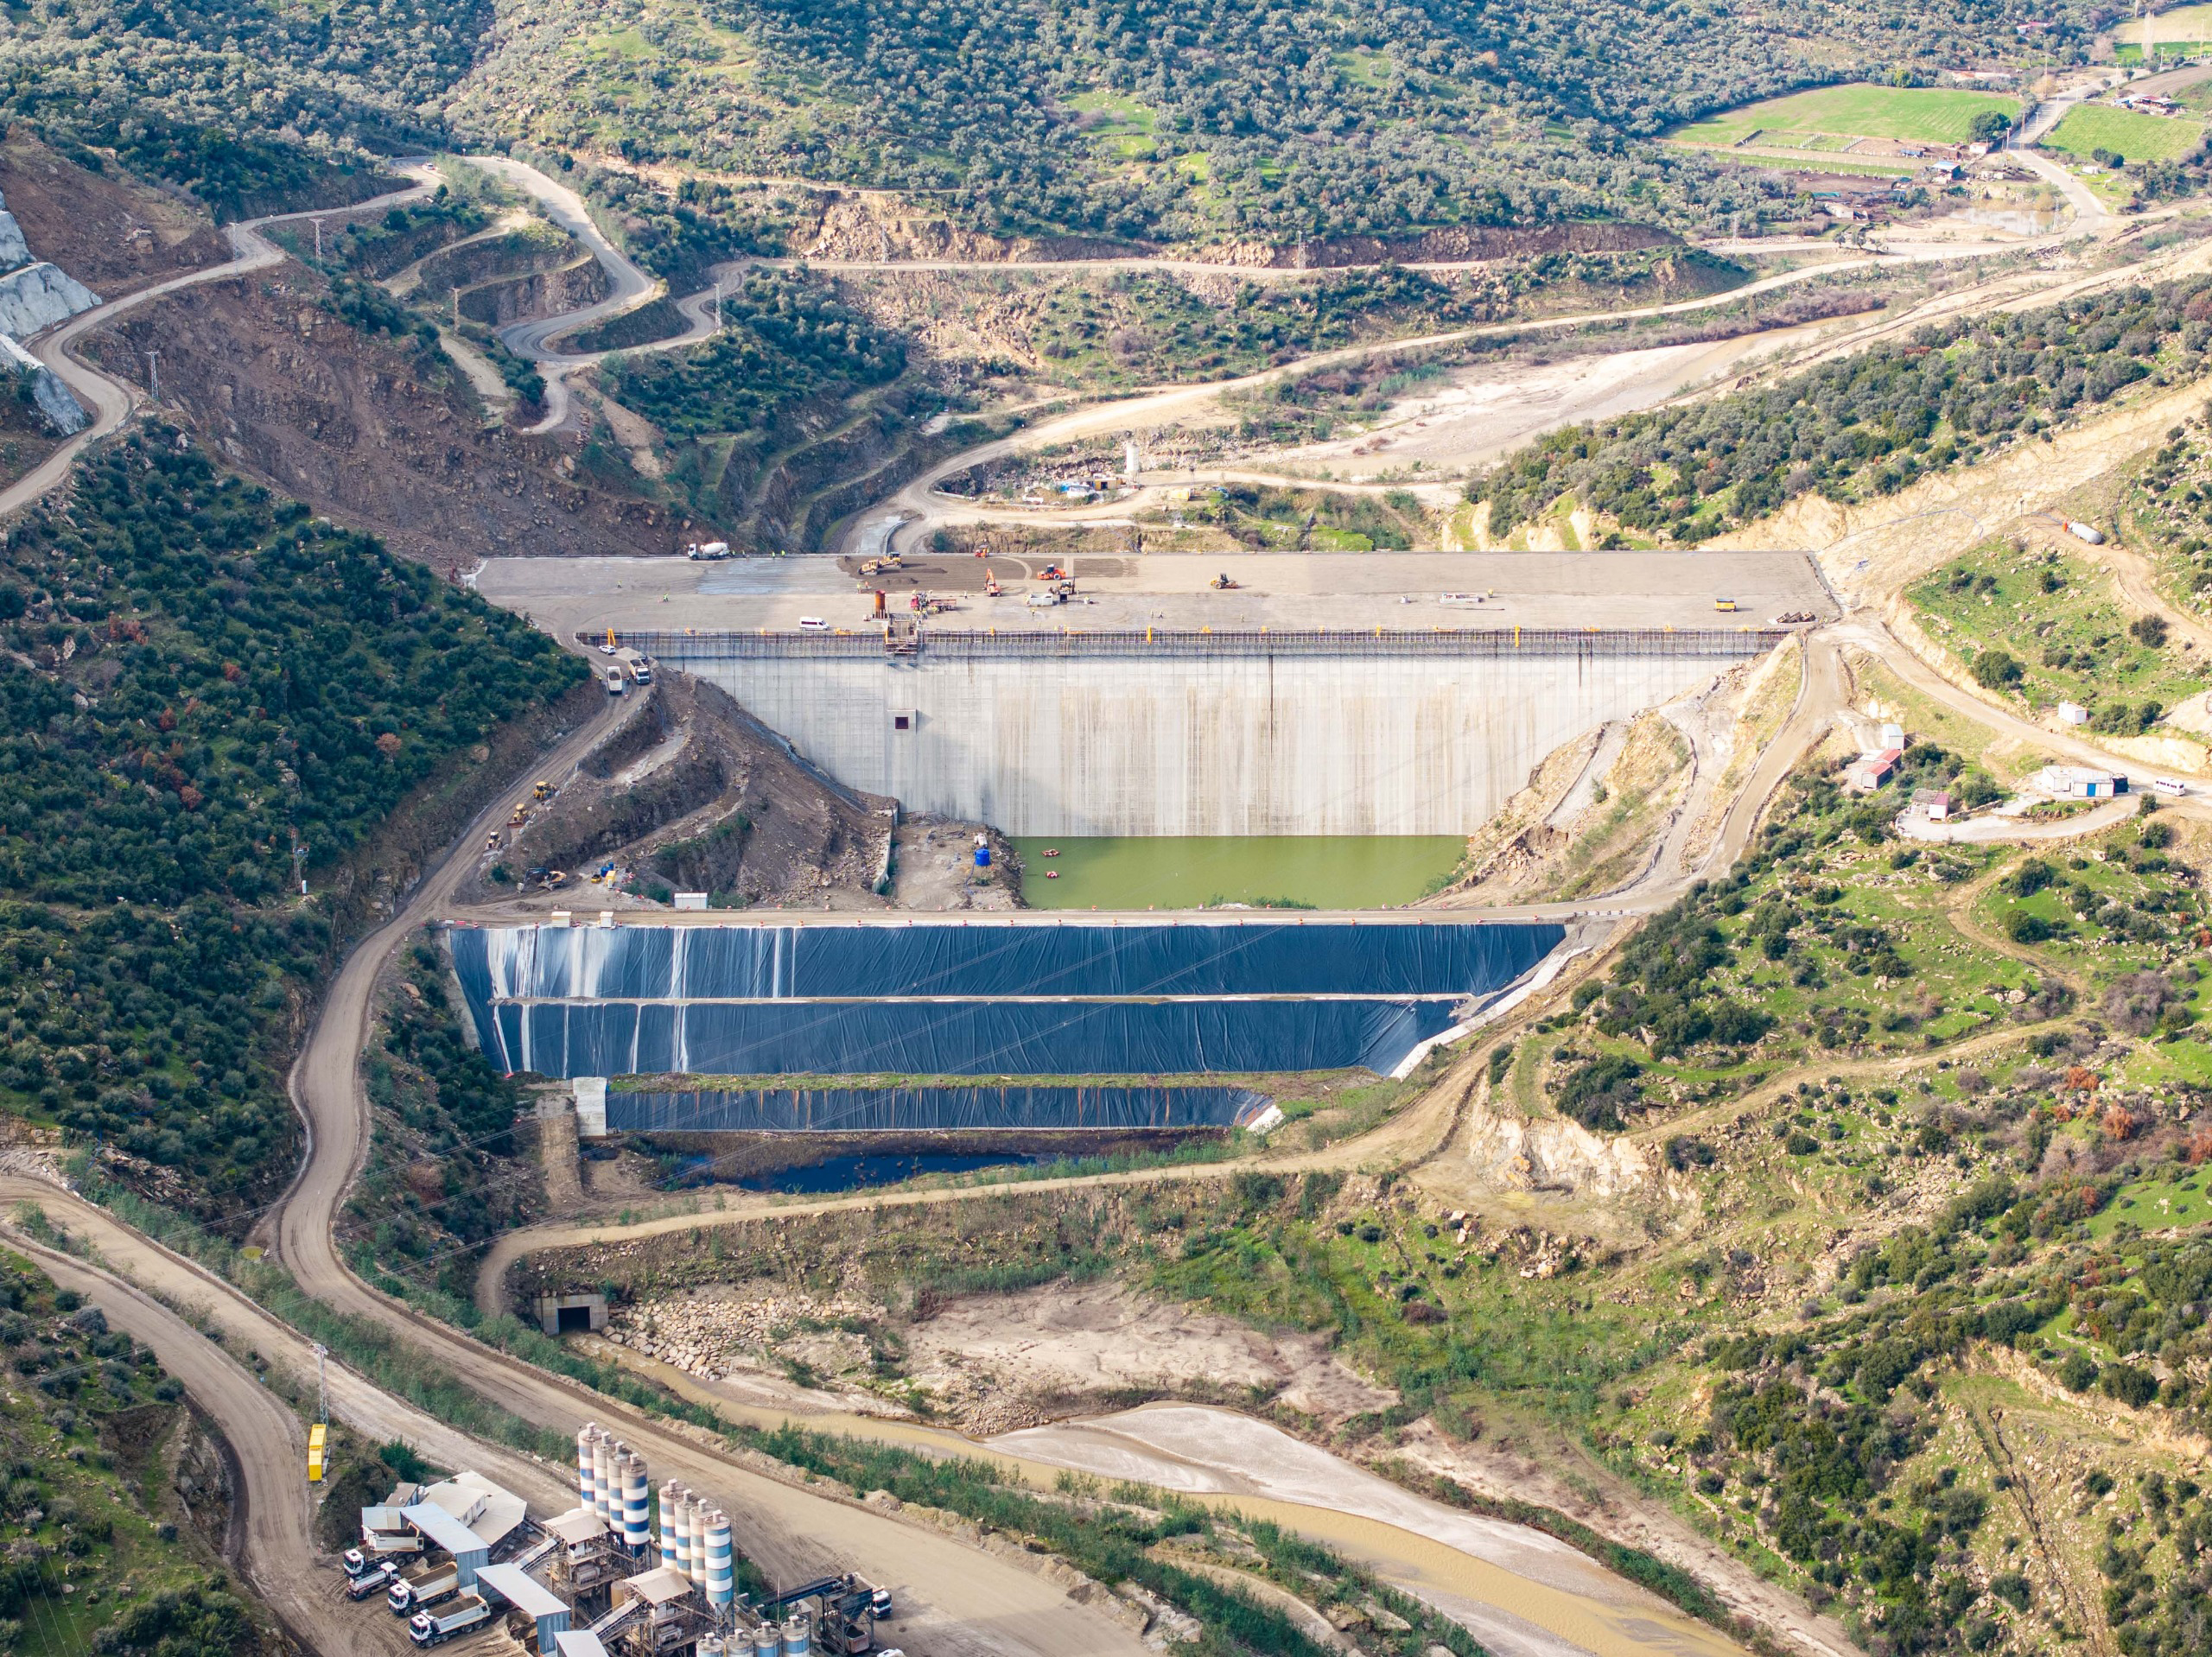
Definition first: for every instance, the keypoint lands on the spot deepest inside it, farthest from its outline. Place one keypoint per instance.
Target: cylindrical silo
(636, 1524)
(587, 1484)
(721, 1582)
(602, 1478)
(710, 1645)
(798, 1635)
(766, 1642)
(668, 1494)
(686, 1544)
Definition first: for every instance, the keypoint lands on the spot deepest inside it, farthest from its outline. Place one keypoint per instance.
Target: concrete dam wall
(1419, 735)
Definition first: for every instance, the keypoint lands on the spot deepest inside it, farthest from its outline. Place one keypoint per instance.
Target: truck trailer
(368, 1581)
(422, 1589)
(469, 1612)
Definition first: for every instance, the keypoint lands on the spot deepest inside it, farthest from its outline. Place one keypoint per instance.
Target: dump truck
(465, 1614)
(420, 1589)
(639, 668)
(368, 1581)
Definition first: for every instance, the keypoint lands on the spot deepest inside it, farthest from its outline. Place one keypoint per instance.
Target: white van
(2170, 785)
(812, 624)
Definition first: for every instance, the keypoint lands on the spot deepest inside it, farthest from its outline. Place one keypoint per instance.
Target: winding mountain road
(109, 400)
(630, 289)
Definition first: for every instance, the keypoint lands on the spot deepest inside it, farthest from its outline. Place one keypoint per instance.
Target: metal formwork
(1163, 643)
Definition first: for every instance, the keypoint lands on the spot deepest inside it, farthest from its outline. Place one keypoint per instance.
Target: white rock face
(14, 250)
(39, 295)
(54, 400)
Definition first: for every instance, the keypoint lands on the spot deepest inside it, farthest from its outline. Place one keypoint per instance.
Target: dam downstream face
(1246, 741)
(1170, 695)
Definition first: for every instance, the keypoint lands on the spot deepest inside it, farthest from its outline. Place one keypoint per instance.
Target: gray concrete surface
(1393, 590)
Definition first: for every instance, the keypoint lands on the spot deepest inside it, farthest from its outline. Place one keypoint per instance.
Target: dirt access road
(961, 1602)
(110, 401)
(917, 506)
(629, 288)
(158, 1297)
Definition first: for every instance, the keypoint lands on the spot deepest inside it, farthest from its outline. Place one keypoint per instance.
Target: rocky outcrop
(39, 295)
(54, 400)
(874, 227)
(1513, 1153)
(541, 294)
(14, 250)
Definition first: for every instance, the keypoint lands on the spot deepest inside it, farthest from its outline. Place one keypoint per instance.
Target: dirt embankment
(1447, 245)
(696, 795)
(536, 295)
(111, 233)
(378, 433)
(866, 226)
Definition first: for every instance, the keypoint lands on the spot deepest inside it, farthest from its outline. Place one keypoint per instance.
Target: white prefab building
(2080, 783)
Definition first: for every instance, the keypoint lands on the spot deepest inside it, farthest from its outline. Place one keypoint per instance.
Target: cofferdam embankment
(1148, 732)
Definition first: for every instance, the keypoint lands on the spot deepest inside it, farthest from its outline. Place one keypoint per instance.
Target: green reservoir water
(1322, 872)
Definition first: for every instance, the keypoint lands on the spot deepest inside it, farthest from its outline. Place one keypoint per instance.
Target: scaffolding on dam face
(1164, 643)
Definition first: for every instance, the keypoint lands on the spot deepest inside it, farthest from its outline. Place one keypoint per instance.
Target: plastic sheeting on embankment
(1017, 999)
(569, 1038)
(875, 1110)
(765, 963)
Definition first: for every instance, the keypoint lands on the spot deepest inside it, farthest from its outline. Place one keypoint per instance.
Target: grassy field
(2181, 24)
(1832, 117)
(2136, 137)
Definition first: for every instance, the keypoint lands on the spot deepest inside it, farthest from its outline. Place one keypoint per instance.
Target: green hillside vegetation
(784, 339)
(1169, 118)
(201, 676)
(442, 1175)
(2091, 129)
(2047, 626)
(216, 94)
(1863, 427)
(1177, 120)
(2168, 508)
(101, 1555)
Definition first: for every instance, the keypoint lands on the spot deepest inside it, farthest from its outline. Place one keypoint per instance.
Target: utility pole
(300, 865)
(154, 375)
(321, 1385)
(318, 238)
(455, 293)
(718, 304)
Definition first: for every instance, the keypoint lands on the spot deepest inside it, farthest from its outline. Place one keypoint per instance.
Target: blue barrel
(983, 857)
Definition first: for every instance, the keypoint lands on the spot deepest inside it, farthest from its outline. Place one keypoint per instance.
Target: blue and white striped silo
(722, 1568)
